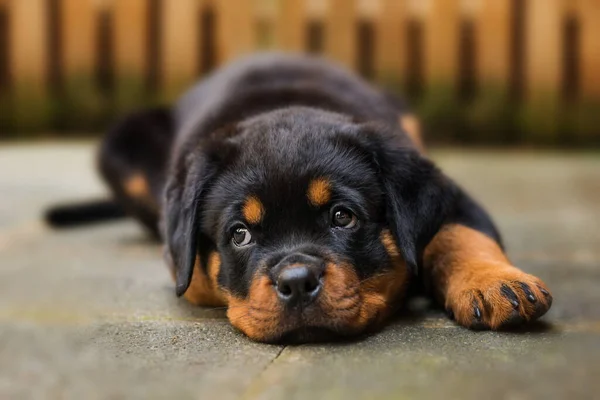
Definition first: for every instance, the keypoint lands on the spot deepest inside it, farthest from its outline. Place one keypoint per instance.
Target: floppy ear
(418, 200)
(186, 188)
(418, 197)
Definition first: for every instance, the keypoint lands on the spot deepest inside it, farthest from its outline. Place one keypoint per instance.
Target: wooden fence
(528, 48)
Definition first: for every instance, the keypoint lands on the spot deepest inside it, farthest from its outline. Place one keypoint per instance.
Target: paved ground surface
(91, 313)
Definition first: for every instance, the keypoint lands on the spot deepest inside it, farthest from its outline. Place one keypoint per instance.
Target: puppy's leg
(470, 274)
(133, 159)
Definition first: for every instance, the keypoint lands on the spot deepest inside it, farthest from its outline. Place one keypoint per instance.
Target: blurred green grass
(490, 117)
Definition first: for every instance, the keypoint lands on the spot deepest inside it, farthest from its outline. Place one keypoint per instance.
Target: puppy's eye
(343, 218)
(241, 236)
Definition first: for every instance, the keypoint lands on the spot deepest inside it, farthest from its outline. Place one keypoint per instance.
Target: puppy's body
(293, 195)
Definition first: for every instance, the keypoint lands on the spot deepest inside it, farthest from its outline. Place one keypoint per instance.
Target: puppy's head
(302, 222)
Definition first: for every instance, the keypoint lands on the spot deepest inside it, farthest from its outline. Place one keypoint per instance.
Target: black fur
(140, 142)
(79, 214)
(267, 126)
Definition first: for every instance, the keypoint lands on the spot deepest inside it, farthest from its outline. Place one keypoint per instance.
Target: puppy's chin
(311, 334)
(311, 326)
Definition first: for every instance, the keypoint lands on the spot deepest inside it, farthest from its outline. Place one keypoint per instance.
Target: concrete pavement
(90, 313)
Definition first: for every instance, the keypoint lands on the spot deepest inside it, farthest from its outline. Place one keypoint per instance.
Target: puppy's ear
(418, 200)
(187, 186)
(418, 197)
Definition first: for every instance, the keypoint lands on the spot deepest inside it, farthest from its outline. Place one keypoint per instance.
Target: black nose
(298, 284)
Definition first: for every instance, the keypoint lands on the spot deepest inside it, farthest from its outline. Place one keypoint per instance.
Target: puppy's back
(269, 81)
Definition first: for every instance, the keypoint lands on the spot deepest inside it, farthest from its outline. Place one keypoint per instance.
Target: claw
(510, 295)
(477, 313)
(528, 292)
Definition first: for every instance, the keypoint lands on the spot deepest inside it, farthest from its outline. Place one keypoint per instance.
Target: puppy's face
(296, 228)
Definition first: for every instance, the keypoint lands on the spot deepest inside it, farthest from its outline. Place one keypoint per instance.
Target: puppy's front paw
(496, 296)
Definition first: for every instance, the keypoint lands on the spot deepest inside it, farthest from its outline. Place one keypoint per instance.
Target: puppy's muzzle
(298, 280)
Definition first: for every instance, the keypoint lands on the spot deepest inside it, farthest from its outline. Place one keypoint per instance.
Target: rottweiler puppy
(298, 196)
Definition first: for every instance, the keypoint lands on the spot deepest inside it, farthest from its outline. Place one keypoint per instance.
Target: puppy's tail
(89, 212)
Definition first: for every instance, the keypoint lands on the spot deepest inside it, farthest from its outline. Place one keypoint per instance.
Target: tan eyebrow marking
(319, 192)
(253, 210)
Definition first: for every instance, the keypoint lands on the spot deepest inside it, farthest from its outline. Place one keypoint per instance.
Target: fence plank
(441, 42)
(340, 32)
(78, 37)
(131, 29)
(28, 65)
(28, 27)
(543, 48)
(493, 44)
(590, 48)
(390, 37)
(291, 25)
(236, 28)
(131, 17)
(180, 44)
(4, 52)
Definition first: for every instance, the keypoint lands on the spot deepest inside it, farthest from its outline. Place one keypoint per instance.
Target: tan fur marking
(203, 290)
(356, 304)
(253, 210)
(214, 265)
(340, 299)
(345, 302)
(258, 315)
(389, 243)
(319, 192)
(137, 186)
(412, 126)
(466, 266)
(382, 291)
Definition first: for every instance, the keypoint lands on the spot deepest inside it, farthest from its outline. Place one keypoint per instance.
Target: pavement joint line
(255, 388)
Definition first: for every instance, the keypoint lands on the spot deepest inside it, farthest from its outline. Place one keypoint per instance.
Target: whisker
(372, 277)
(215, 308)
(349, 308)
